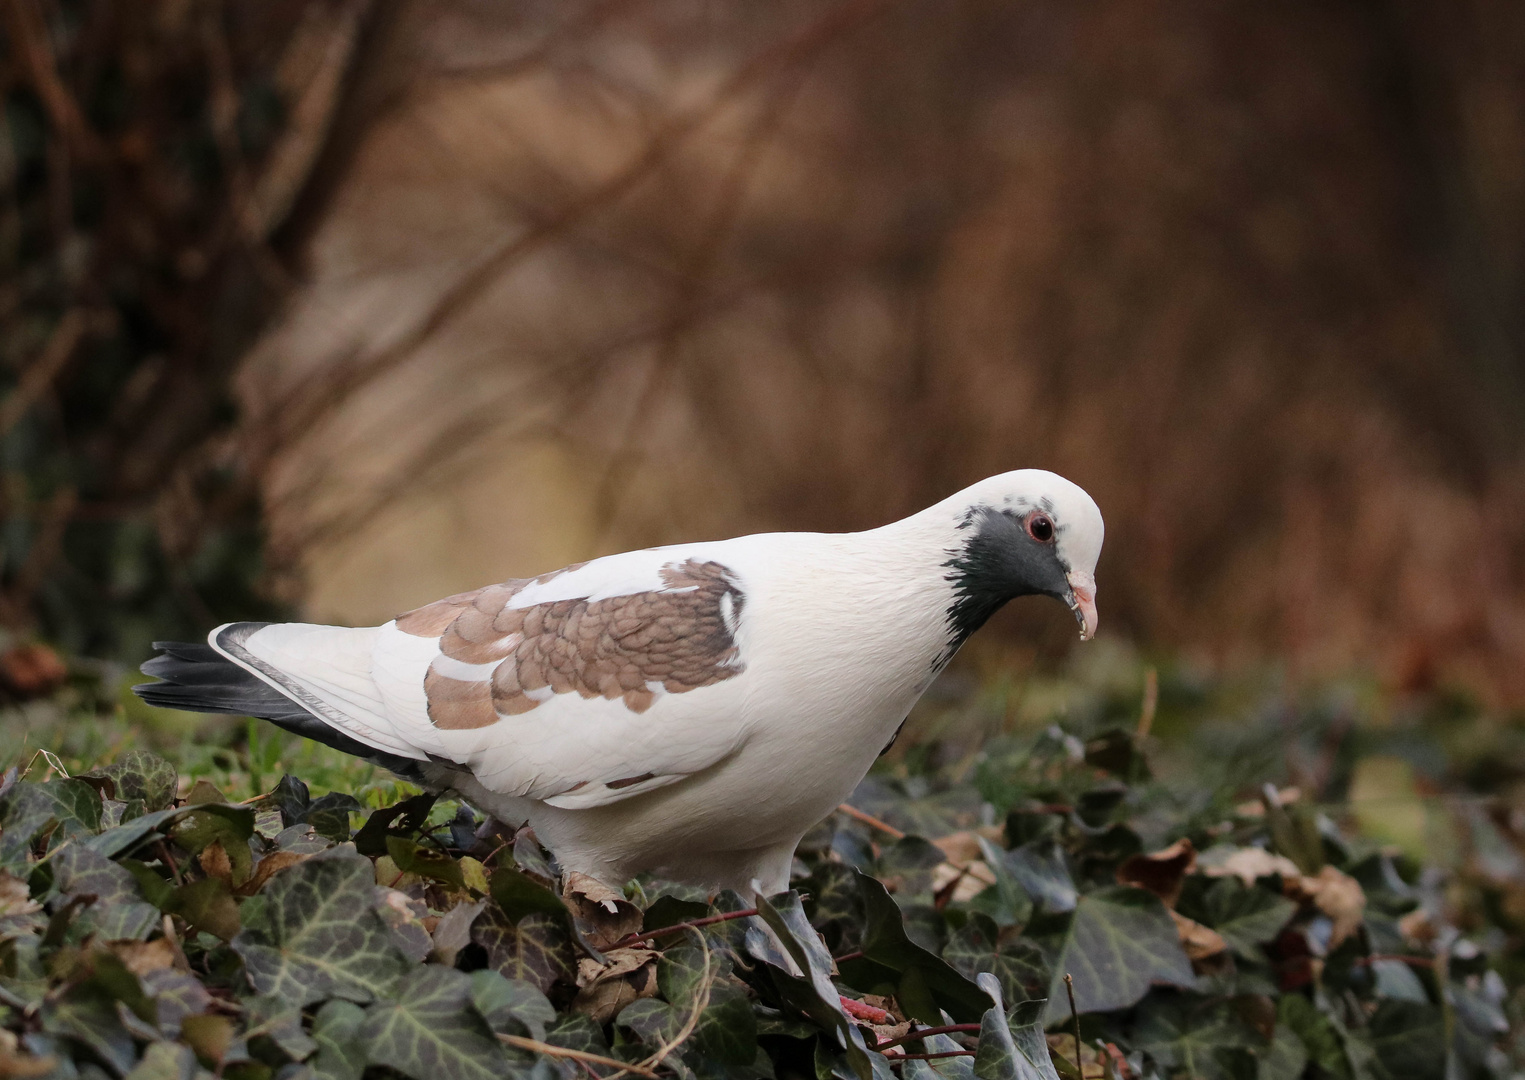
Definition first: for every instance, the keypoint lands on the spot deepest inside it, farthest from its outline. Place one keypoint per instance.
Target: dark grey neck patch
(997, 563)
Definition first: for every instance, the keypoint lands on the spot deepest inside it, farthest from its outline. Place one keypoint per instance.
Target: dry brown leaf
(1199, 941)
(604, 915)
(1336, 894)
(1416, 926)
(276, 860)
(15, 1066)
(215, 862)
(605, 989)
(141, 957)
(1063, 1044)
(1256, 808)
(973, 879)
(1250, 863)
(15, 898)
(1160, 872)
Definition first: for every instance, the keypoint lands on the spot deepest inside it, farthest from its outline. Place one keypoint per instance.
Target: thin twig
(547, 1049)
(41, 372)
(632, 939)
(1151, 702)
(929, 1057)
(1069, 988)
(871, 821)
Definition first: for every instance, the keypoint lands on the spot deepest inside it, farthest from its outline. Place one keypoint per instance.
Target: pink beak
(1083, 603)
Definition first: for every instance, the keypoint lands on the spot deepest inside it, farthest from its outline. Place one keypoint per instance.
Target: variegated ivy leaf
(1119, 941)
(321, 936)
(431, 1031)
(536, 950)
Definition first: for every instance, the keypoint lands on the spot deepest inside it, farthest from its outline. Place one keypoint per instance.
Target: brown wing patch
(498, 661)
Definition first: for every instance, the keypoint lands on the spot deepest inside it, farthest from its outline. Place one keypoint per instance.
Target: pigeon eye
(1040, 527)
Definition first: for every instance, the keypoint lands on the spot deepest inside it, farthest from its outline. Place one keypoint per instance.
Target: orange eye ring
(1040, 527)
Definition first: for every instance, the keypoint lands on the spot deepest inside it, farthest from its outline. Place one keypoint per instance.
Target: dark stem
(632, 939)
(1069, 988)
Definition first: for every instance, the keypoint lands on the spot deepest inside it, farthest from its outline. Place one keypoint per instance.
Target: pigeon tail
(197, 678)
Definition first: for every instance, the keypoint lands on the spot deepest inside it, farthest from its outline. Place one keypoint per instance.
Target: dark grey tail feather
(197, 678)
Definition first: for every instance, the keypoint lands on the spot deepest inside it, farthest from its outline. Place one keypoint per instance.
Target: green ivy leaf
(925, 983)
(536, 949)
(402, 820)
(231, 826)
(322, 938)
(1119, 940)
(1409, 1041)
(281, 1023)
(177, 994)
(511, 1006)
(1040, 868)
(329, 815)
(207, 905)
(1018, 965)
(28, 809)
(76, 805)
(118, 912)
(141, 774)
(836, 905)
(1320, 1038)
(414, 858)
(1011, 1048)
(165, 1061)
(1191, 1033)
(431, 1031)
(803, 977)
(517, 895)
(89, 1017)
(1247, 917)
(341, 1051)
(1285, 1059)
(908, 863)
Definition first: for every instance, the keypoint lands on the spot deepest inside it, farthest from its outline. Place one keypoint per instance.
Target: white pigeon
(688, 710)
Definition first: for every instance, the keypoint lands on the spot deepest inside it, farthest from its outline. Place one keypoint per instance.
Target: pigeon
(688, 711)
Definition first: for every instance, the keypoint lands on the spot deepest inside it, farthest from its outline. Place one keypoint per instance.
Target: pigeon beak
(1082, 601)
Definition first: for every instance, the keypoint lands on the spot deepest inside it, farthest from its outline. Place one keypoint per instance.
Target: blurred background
(326, 308)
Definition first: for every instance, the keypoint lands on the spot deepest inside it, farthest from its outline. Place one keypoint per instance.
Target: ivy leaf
(1320, 1038)
(402, 820)
(836, 907)
(1409, 1041)
(118, 912)
(207, 905)
(230, 826)
(322, 937)
(431, 1031)
(1018, 965)
(1285, 1059)
(510, 1005)
(1039, 867)
(414, 858)
(803, 977)
(341, 1052)
(176, 995)
(165, 1061)
(1191, 1033)
(517, 895)
(1008, 903)
(281, 1023)
(76, 805)
(1246, 917)
(536, 949)
(140, 774)
(89, 1017)
(28, 809)
(329, 815)
(925, 983)
(1011, 1048)
(1119, 940)
(908, 863)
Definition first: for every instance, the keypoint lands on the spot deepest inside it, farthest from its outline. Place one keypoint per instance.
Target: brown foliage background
(569, 278)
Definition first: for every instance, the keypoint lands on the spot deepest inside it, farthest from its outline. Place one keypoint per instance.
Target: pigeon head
(1023, 533)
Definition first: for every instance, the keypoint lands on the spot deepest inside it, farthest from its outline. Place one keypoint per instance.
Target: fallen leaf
(1256, 808)
(1160, 872)
(215, 862)
(1336, 894)
(276, 860)
(15, 898)
(1199, 941)
(604, 915)
(1416, 927)
(141, 957)
(973, 879)
(605, 989)
(1249, 864)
